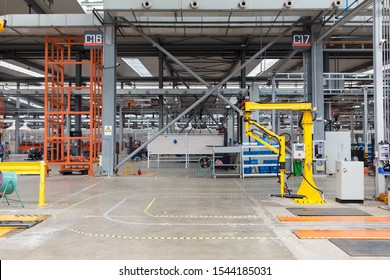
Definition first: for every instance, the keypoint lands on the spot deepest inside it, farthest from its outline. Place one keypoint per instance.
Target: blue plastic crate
(247, 170)
(273, 169)
(263, 169)
(270, 161)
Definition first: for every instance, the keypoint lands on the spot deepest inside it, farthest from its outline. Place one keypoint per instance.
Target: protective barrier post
(42, 183)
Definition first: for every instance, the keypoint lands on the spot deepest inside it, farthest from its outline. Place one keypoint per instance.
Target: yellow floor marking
(150, 205)
(264, 238)
(22, 218)
(5, 230)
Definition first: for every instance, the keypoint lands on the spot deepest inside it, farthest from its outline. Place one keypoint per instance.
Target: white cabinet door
(338, 148)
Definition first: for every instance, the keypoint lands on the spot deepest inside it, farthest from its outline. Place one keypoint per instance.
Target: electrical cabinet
(338, 148)
(383, 152)
(350, 181)
(299, 151)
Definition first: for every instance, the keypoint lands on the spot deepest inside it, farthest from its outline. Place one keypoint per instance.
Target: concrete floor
(171, 214)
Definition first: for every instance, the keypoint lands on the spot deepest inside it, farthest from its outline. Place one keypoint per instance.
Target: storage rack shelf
(258, 161)
(227, 161)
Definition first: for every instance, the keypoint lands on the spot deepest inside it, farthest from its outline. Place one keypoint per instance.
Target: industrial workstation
(225, 130)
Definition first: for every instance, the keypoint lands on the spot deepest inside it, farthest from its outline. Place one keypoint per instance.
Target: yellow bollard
(132, 169)
(42, 183)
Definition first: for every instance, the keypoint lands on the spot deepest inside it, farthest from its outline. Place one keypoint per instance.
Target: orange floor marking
(363, 219)
(369, 234)
(148, 174)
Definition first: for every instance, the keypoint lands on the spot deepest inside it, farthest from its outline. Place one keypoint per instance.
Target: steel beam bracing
(348, 16)
(208, 93)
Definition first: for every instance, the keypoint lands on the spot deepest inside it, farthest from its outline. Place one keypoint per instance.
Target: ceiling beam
(351, 14)
(32, 4)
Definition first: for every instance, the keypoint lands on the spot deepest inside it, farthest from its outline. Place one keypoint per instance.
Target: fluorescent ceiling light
(89, 5)
(137, 66)
(263, 66)
(24, 101)
(20, 69)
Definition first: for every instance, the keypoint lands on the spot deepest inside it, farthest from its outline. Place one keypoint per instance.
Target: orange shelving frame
(60, 54)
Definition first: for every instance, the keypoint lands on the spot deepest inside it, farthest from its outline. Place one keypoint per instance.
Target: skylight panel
(137, 66)
(20, 69)
(263, 66)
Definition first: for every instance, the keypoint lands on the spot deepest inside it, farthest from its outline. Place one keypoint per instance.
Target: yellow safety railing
(34, 167)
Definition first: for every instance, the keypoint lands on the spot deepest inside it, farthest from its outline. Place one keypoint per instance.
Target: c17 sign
(301, 40)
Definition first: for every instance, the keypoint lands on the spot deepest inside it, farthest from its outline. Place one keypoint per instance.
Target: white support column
(378, 90)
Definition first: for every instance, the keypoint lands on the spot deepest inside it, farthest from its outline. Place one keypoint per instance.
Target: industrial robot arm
(307, 192)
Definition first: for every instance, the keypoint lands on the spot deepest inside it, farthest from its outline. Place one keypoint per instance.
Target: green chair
(8, 183)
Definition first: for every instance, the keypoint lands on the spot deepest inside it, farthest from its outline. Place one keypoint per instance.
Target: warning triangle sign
(108, 129)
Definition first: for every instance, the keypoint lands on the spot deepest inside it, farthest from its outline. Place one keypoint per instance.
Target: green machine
(8, 183)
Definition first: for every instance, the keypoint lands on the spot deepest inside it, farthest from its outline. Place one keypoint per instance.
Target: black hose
(317, 189)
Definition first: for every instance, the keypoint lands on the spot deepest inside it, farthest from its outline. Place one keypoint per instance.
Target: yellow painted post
(132, 169)
(282, 163)
(42, 183)
(308, 188)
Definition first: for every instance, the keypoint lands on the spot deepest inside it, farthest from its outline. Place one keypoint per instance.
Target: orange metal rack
(59, 107)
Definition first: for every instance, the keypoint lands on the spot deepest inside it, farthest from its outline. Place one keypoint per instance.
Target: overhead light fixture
(89, 5)
(263, 66)
(20, 69)
(24, 101)
(137, 66)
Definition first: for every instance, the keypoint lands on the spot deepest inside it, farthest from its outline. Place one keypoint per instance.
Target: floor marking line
(214, 238)
(148, 207)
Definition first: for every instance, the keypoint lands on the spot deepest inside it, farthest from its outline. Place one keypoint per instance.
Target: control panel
(299, 151)
(384, 152)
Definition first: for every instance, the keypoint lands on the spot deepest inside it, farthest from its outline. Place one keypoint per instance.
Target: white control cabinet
(338, 148)
(350, 181)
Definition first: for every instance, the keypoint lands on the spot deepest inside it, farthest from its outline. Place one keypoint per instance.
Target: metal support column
(17, 124)
(378, 89)
(243, 70)
(109, 98)
(352, 124)
(366, 135)
(273, 99)
(120, 113)
(160, 85)
(241, 135)
(78, 98)
(317, 87)
(230, 128)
